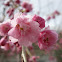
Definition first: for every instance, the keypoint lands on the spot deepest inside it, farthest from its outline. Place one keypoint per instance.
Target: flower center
(21, 28)
(46, 40)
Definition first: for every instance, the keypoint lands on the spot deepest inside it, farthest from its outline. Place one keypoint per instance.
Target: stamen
(21, 28)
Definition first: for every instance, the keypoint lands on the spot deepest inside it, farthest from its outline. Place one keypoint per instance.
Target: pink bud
(56, 12)
(48, 18)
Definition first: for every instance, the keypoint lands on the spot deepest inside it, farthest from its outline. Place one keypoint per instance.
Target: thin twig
(23, 54)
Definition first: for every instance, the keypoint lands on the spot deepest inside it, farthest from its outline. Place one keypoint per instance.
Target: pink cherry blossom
(40, 20)
(27, 6)
(47, 39)
(25, 30)
(4, 28)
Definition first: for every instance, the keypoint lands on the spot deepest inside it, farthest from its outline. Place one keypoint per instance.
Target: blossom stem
(23, 54)
(28, 52)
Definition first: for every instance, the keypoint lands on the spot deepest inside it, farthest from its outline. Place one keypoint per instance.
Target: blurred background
(51, 11)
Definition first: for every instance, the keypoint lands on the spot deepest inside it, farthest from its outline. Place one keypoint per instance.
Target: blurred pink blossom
(25, 30)
(48, 39)
(27, 6)
(40, 20)
(4, 28)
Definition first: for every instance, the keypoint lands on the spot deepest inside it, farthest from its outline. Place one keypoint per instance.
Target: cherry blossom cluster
(24, 30)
